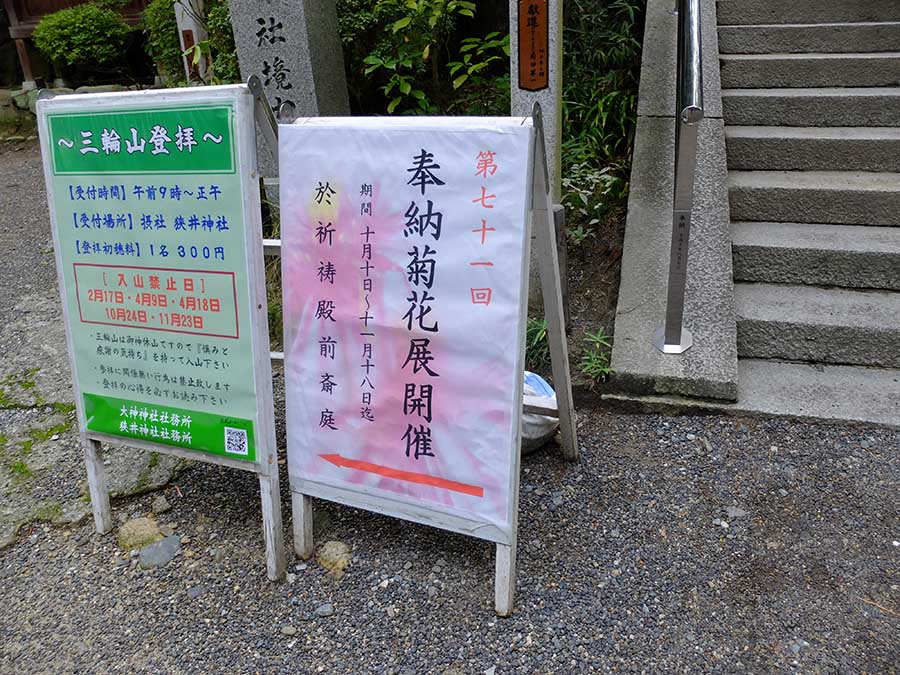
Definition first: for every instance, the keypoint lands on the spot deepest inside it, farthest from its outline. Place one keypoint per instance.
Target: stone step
(843, 393)
(744, 12)
(881, 36)
(813, 107)
(826, 255)
(833, 197)
(804, 390)
(813, 148)
(757, 71)
(821, 325)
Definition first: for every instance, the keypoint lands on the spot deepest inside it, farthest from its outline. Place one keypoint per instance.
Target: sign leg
(505, 580)
(97, 485)
(553, 311)
(562, 254)
(271, 516)
(302, 509)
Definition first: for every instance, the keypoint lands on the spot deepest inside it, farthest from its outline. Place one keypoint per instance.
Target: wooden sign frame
(265, 465)
(540, 217)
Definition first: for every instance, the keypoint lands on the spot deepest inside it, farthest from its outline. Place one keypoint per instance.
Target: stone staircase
(811, 104)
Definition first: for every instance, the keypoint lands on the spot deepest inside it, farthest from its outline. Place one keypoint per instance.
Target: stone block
(743, 12)
(709, 368)
(817, 255)
(820, 325)
(294, 47)
(160, 553)
(815, 107)
(810, 38)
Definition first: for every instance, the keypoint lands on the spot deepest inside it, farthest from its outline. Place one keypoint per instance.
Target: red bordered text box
(163, 329)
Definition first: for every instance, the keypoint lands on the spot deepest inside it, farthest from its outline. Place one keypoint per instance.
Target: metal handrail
(673, 337)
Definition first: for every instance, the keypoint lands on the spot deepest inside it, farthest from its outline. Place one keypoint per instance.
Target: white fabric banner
(404, 248)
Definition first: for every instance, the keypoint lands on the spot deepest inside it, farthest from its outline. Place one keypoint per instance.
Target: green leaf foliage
(602, 58)
(221, 42)
(163, 46)
(424, 57)
(537, 346)
(85, 35)
(596, 356)
(218, 49)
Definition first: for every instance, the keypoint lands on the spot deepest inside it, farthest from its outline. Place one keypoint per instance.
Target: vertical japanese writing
(533, 33)
(276, 74)
(367, 332)
(486, 168)
(422, 221)
(326, 272)
(403, 308)
(537, 55)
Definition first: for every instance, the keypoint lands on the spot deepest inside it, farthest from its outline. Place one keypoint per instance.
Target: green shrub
(589, 195)
(221, 42)
(365, 29)
(82, 36)
(163, 45)
(601, 69)
(424, 57)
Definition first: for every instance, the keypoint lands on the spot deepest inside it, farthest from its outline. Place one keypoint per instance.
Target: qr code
(236, 441)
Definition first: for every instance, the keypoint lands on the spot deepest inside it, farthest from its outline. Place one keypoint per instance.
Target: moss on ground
(24, 382)
(37, 435)
(48, 511)
(19, 469)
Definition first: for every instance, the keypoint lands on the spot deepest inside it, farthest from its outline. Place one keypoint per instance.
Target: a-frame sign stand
(248, 256)
(551, 288)
(541, 218)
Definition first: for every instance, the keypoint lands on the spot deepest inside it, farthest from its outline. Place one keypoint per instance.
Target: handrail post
(673, 337)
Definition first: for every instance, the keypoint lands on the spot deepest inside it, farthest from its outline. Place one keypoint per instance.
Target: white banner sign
(405, 245)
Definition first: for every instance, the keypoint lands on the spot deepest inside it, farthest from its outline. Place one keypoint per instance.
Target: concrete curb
(709, 368)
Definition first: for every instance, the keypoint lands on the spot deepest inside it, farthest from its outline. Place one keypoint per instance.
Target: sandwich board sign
(155, 211)
(405, 251)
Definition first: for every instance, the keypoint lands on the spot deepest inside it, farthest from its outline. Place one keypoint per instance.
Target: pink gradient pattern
(477, 348)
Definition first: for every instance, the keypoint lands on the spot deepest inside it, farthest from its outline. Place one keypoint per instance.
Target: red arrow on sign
(407, 476)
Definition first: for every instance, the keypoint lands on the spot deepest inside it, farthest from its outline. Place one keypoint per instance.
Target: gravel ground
(689, 544)
(28, 264)
(41, 471)
(677, 544)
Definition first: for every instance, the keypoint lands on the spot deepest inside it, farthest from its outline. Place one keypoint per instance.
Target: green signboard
(186, 140)
(150, 227)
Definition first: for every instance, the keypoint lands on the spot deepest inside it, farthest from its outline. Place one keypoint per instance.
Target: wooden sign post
(155, 212)
(405, 250)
